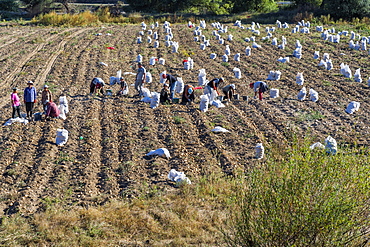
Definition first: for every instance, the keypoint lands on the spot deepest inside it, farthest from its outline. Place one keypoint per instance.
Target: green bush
(9, 5)
(347, 9)
(307, 199)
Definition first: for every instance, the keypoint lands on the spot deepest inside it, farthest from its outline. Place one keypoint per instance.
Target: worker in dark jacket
(188, 95)
(29, 98)
(172, 82)
(229, 91)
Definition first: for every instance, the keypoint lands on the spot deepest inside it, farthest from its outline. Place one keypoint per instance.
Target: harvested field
(110, 162)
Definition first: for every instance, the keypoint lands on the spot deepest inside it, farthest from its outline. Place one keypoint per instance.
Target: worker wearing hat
(46, 95)
(124, 86)
(29, 97)
(229, 91)
(165, 94)
(188, 95)
(15, 103)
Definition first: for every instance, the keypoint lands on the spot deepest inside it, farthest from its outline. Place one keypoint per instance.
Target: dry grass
(190, 215)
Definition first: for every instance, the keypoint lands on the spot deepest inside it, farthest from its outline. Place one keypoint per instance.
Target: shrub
(308, 199)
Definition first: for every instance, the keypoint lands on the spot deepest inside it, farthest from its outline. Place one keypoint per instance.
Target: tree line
(345, 9)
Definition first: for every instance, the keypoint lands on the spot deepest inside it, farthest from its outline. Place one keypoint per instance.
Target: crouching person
(188, 95)
(97, 85)
(51, 110)
(229, 91)
(165, 94)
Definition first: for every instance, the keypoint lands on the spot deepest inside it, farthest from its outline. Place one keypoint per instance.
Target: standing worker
(229, 91)
(15, 103)
(259, 87)
(29, 96)
(140, 78)
(46, 95)
(172, 81)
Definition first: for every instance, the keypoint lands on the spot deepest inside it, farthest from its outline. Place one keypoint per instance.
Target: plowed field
(109, 161)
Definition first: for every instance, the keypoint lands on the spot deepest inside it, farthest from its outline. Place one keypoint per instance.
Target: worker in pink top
(52, 110)
(15, 103)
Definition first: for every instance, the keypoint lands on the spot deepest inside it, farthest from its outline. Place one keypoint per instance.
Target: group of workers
(167, 93)
(50, 109)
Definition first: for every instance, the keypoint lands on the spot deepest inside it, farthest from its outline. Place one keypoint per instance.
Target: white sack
(62, 137)
(219, 129)
(302, 94)
(161, 61)
(352, 107)
(180, 85)
(317, 145)
(218, 103)
(357, 76)
(204, 102)
(314, 96)
(202, 77)
(154, 103)
(260, 151)
(237, 73)
(148, 77)
(16, 120)
(330, 145)
(274, 93)
(299, 79)
(146, 92)
(162, 152)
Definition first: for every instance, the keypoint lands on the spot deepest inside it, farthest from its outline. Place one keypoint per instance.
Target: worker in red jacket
(52, 110)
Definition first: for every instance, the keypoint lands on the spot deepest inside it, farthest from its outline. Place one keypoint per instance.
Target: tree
(314, 3)
(254, 5)
(36, 7)
(201, 6)
(347, 9)
(65, 4)
(9, 5)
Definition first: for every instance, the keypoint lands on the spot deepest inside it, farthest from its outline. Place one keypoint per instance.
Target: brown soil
(110, 162)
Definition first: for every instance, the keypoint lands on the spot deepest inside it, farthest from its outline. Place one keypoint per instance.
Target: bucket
(236, 96)
(109, 92)
(37, 116)
(245, 98)
(176, 100)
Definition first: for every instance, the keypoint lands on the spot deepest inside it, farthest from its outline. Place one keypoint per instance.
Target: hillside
(109, 161)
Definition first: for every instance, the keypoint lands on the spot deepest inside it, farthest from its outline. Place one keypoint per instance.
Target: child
(124, 87)
(15, 102)
(165, 92)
